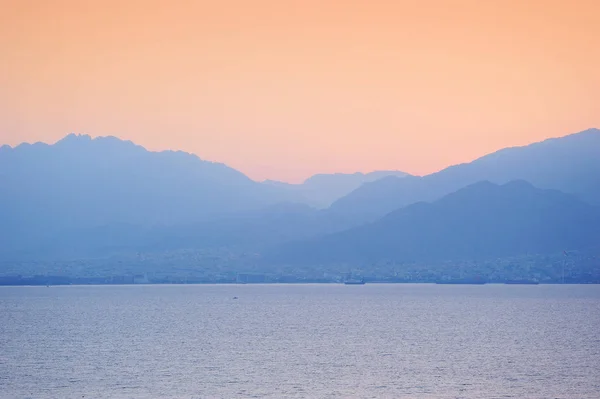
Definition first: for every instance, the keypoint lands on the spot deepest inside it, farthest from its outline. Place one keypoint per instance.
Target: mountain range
(109, 193)
(480, 221)
(82, 181)
(570, 164)
(84, 197)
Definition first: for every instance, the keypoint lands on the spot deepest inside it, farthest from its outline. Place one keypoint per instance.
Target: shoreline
(293, 283)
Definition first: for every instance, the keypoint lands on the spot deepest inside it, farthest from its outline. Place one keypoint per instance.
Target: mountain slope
(81, 182)
(480, 221)
(322, 190)
(249, 231)
(570, 164)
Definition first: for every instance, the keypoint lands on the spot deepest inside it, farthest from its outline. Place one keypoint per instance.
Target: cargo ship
(355, 282)
(477, 281)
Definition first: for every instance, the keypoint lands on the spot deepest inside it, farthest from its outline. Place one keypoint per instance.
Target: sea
(300, 341)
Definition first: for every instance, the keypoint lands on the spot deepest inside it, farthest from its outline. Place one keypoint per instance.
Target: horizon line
(112, 136)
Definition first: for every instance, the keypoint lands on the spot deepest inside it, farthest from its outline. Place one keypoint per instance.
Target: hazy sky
(283, 89)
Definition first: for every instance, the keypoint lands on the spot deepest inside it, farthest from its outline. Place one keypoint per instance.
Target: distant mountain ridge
(480, 221)
(81, 182)
(321, 190)
(570, 164)
(85, 197)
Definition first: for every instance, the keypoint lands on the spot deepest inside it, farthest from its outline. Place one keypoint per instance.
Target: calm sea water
(300, 341)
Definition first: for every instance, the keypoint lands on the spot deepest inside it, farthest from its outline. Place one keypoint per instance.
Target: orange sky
(283, 89)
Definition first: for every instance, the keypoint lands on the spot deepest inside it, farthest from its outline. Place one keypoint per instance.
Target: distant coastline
(31, 282)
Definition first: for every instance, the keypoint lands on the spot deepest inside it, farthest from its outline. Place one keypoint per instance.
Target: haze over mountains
(106, 192)
(83, 182)
(570, 164)
(88, 198)
(80, 183)
(480, 221)
(322, 190)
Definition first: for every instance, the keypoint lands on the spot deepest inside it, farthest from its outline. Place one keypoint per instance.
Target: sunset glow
(286, 89)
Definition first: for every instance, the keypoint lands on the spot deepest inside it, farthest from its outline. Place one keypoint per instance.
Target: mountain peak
(569, 164)
(84, 182)
(74, 138)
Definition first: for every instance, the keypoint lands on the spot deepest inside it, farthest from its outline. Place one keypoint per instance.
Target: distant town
(214, 267)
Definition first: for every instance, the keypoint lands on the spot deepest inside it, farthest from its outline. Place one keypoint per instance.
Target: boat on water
(355, 282)
(476, 281)
(528, 282)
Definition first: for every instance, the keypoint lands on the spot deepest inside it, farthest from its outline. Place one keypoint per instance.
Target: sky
(285, 89)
